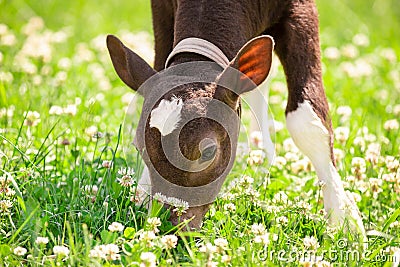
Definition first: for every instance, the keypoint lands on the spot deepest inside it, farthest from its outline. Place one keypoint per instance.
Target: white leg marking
(312, 138)
(144, 185)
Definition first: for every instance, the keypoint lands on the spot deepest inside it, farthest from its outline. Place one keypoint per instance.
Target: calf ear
(131, 68)
(253, 61)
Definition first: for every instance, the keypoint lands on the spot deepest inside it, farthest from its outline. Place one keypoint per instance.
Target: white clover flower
(148, 259)
(332, 53)
(221, 243)
(246, 181)
(373, 152)
(359, 141)
(41, 240)
(127, 179)
(342, 134)
(226, 259)
(154, 223)
(230, 207)
(256, 139)
(338, 154)
(289, 145)
(350, 51)
(34, 24)
(358, 164)
(280, 162)
(291, 157)
(70, 110)
(91, 131)
(263, 238)
(344, 111)
(300, 166)
(375, 186)
(310, 242)
(126, 171)
(32, 118)
(5, 205)
(97, 252)
(256, 157)
(56, 110)
(111, 251)
(282, 220)
(91, 189)
(107, 164)
(391, 125)
(395, 224)
(20, 251)
(280, 197)
(64, 63)
(6, 77)
(116, 227)
(258, 229)
(396, 110)
(356, 196)
(61, 251)
(208, 248)
(147, 237)
(361, 39)
(169, 241)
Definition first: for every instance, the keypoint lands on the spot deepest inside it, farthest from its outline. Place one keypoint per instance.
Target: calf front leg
(297, 46)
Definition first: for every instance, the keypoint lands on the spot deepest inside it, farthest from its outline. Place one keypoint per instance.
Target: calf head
(188, 129)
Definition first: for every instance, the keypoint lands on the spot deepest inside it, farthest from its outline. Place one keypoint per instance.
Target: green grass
(54, 184)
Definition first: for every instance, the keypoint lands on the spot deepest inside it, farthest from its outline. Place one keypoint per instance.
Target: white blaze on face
(312, 138)
(167, 115)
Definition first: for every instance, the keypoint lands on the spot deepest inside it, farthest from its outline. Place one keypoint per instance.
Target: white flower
(148, 259)
(361, 39)
(230, 207)
(20, 251)
(221, 243)
(256, 157)
(91, 131)
(41, 240)
(106, 164)
(264, 238)
(116, 227)
(70, 110)
(332, 53)
(169, 241)
(180, 205)
(154, 222)
(282, 220)
(60, 250)
(56, 110)
(342, 134)
(5, 205)
(32, 118)
(107, 252)
(127, 179)
(310, 242)
(258, 229)
(350, 51)
(208, 248)
(256, 138)
(391, 125)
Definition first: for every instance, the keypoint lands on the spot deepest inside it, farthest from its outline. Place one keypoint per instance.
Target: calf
(237, 35)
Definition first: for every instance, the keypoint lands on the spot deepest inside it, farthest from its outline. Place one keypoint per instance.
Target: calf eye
(208, 153)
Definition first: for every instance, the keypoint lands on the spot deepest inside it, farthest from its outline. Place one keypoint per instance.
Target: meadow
(68, 173)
